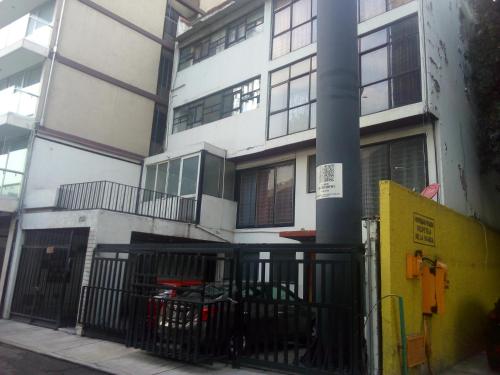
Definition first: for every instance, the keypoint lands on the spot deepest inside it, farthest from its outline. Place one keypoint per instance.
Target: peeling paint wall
(445, 25)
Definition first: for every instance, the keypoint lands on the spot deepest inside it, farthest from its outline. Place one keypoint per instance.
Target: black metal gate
(49, 278)
(291, 307)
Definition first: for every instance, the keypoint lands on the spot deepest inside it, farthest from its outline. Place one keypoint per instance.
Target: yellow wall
(472, 254)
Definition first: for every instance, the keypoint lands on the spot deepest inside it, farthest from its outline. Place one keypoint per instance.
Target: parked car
(493, 338)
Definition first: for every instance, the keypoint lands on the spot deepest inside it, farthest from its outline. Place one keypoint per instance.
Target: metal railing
(112, 196)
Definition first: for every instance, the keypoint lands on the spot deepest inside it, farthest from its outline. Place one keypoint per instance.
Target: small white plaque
(329, 181)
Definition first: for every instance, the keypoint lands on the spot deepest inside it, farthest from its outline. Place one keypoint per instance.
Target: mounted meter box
(434, 282)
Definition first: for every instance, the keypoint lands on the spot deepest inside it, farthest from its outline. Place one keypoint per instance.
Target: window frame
(388, 143)
(287, 109)
(185, 63)
(274, 166)
(291, 28)
(390, 76)
(198, 105)
(309, 160)
(387, 9)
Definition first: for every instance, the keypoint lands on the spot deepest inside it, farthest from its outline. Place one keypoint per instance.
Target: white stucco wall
(463, 187)
(54, 164)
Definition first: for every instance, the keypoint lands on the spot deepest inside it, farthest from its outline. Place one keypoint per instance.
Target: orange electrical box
(429, 304)
(413, 264)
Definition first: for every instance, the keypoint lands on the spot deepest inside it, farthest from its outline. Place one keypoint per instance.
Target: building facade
(126, 135)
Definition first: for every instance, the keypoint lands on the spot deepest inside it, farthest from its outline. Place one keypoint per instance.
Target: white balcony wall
(16, 100)
(28, 27)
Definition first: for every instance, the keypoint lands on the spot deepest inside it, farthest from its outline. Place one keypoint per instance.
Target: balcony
(24, 43)
(11, 10)
(17, 111)
(112, 196)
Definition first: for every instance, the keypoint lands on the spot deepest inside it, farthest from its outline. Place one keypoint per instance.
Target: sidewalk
(101, 355)
(477, 365)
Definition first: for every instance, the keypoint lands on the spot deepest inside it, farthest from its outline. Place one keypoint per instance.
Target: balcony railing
(112, 196)
(18, 101)
(10, 183)
(30, 27)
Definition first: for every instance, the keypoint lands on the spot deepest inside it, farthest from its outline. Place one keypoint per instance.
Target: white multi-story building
(231, 153)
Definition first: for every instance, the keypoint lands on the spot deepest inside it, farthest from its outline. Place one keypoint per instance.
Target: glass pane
(313, 86)
(150, 177)
(371, 8)
(11, 185)
(299, 91)
(373, 40)
(301, 12)
(374, 98)
(374, 167)
(315, 31)
(277, 124)
(314, 63)
(284, 194)
(173, 177)
(300, 68)
(161, 178)
(311, 173)
(279, 97)
(17, 160)
(408, 163)
(299, 119)
(281, 45)
(406, 89)
(396, 3)
(313, 115)
(281, 3)
(189, 176)
(265, 197)
(212, 175)
(301, 36)
(405, 55)
(280, 76)
(281, 21)
(229, 180)
(374, 66)
(314, 8)
(246, 201)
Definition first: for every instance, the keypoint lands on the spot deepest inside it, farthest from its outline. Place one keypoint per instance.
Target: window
(266, 196)
(292, 105)
(174, 177)
(295, 25)
(218, 180)
(170, 26)
(222, 39)
(390, 67)
(403, 161)
(311, 174)
(158, 130)
(372, 8)
(13, 151)
(241, 98)
(19, 92)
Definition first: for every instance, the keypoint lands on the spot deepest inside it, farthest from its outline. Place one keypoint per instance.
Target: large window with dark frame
(390, 67)
(294, 25)
(372, 8)
(237, 99)
(403, 161)
(237, 31)
(266, 196)
(292, 106)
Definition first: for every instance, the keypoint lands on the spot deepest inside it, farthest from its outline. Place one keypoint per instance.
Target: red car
(493, 338)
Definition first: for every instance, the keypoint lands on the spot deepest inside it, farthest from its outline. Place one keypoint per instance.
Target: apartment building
(131, 136)
(243, 108)
(84, 92)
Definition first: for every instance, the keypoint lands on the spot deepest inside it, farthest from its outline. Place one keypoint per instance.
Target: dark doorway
(49, 279)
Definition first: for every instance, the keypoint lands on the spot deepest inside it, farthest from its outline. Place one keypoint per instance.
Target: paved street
(15, 361)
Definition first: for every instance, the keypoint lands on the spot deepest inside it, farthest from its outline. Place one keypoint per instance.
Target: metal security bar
(112, 196)
(295, 308)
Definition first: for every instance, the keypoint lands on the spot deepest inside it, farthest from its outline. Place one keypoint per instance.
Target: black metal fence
(117, 197)
(291, 307)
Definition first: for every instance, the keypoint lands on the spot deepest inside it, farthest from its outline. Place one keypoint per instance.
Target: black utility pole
(338, 184)
(338, 174)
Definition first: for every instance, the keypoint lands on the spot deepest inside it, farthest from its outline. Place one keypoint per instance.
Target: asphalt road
(15, 361)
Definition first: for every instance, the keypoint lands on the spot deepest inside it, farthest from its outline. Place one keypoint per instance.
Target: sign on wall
(329, 181)
(424, 230)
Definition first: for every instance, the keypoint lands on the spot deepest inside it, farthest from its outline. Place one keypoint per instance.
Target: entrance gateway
(50, 274)
(256, 305)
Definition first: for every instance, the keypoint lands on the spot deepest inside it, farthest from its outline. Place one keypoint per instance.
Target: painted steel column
(338, 173)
